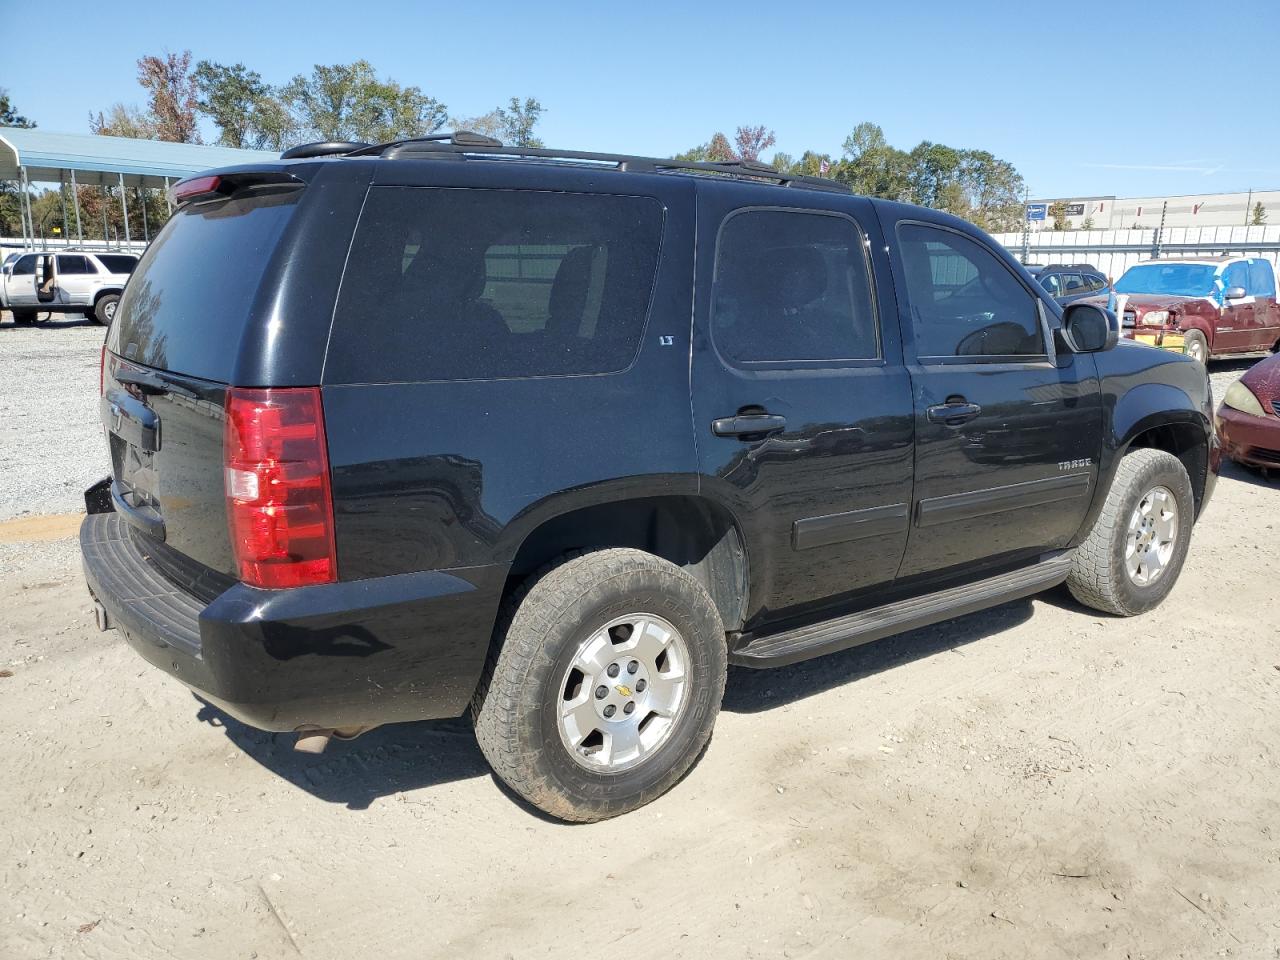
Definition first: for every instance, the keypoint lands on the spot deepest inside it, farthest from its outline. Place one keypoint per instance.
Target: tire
(104, 308)
(1197, 347)
(23, 316)
(1100, 569)
(551, 625)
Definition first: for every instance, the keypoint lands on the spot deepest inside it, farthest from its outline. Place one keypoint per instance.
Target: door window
(1237, 275)
(1052, 284)
(1075, 284)
(792, 287)
(964, 301)
(25, 266)
(73, 264)
(1262, 279)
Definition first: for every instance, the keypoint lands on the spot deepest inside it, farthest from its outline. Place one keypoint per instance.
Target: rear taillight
(279, 506)
(102, 369)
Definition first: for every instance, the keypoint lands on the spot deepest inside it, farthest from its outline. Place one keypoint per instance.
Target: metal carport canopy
(47, 158)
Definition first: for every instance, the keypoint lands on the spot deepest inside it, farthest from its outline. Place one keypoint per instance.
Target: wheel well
(102, 293)
(690, 532)
(1186, 442)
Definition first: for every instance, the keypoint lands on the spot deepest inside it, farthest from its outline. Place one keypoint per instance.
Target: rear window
(463, 284)
(191, 297)
(116, 263)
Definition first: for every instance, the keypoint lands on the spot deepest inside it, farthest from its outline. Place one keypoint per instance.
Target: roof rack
(464, 144)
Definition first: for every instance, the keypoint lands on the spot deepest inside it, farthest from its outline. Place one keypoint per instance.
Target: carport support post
(62, 195)
(167, 202)
(146, 232)
(124, 206)
(75, 200)
(24, 211)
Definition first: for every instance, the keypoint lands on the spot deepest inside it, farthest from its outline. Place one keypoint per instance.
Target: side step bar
(802, 643)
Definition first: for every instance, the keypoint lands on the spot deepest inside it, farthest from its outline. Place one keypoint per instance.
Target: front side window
(964, 301)
(73, 264)
(1262, 279)
(471, 284)
(1053, 284)
(25, 267)
(792, 287)
(1237, 275)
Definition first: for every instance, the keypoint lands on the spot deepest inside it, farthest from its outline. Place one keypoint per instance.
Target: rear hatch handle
(146, 519)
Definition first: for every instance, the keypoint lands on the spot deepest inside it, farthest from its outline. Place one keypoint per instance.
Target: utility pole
(1247, 205)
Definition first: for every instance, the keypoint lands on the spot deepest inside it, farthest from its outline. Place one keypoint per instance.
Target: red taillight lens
(279, 506)
(185, 190)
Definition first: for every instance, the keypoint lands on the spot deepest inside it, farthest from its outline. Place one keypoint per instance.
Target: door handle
(954, 413)
(750, 424)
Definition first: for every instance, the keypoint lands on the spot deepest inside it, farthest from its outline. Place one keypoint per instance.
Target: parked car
(1068, 283)
(400, 430)
(1248, 420)
(71, 281)
(1220, 305)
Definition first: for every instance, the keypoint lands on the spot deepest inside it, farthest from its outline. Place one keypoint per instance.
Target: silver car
(71, 281)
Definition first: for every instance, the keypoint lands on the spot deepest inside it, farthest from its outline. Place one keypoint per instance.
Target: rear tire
(23, 316)
(1123, 566)
(605, 686)
(104, 310)
(1197, 347)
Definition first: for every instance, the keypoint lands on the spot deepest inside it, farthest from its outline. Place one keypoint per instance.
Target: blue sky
(1122, 98)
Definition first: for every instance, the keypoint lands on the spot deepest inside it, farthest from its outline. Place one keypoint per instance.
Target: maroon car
(1248, 421)
(1221, 305)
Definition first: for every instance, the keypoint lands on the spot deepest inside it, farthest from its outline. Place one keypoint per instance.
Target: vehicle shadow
(397, 758)
(752, 691)
(70, 320)
(1234, 471)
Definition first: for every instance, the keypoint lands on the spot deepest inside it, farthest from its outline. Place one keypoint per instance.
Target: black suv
(1067, 283)
(405, 429)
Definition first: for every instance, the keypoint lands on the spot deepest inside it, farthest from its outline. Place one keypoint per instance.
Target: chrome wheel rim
(623, 692)
(1151, 537)
(1196, 350)
(109, 311)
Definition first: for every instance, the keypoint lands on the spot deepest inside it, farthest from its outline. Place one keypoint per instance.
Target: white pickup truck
(71, 281)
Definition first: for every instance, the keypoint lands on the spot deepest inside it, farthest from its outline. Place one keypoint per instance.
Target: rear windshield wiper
(152, 384)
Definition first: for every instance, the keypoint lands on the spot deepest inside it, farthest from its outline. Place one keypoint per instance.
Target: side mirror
(1089, 328)
(1234, 293)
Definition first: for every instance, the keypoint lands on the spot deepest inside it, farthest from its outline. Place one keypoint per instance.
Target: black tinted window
(25, 266)
(964, 301)
(191, 298)
(117, 263)
(792, 287)
(446, 284)
(71, 263)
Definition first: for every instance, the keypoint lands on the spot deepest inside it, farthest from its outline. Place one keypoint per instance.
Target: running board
(802, 643)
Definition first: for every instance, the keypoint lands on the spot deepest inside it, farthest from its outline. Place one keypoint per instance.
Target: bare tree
(753, 141)
(172, 93)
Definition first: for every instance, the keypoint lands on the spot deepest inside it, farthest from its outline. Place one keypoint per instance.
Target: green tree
(992, 192)
(349, 102)
(1058, 211)
(518, 120)
(122, 120)
(1259, 217)
(9, 116)
(487, 124)
(872, 168)
(245, 109)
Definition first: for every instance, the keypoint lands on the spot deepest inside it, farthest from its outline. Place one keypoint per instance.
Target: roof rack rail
(463, 144)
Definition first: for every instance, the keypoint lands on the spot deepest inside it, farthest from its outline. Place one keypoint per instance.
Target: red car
(1248, 420)
(1221, 305)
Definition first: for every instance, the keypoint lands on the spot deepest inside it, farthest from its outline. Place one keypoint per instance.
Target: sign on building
(1037, 211)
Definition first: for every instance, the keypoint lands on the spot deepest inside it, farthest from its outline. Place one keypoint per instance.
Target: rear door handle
(746, 425)
(953, 414)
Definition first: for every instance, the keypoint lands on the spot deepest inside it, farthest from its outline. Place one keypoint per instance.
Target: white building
(1143, 213)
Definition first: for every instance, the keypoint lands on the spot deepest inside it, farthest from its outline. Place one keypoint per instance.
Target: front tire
(22, 316)
(1135, 551)
(1196, 346)
(104, 310)
(605, 686)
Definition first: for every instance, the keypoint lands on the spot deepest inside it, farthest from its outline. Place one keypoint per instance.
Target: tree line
(353, 102)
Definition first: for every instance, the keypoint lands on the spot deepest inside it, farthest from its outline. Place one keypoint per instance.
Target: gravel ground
(51, 446)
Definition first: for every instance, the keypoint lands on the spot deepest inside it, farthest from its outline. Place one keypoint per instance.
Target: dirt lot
(1034, 781)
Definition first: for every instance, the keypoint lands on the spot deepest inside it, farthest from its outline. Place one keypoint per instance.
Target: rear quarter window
(474, 284)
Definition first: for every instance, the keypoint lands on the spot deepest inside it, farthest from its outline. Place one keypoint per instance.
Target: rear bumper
(1249, 439)
(358, 654)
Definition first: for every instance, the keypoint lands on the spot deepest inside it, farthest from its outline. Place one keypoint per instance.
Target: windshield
(1180, 279)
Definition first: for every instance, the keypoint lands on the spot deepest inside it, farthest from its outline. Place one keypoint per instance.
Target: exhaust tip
(312, 741)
